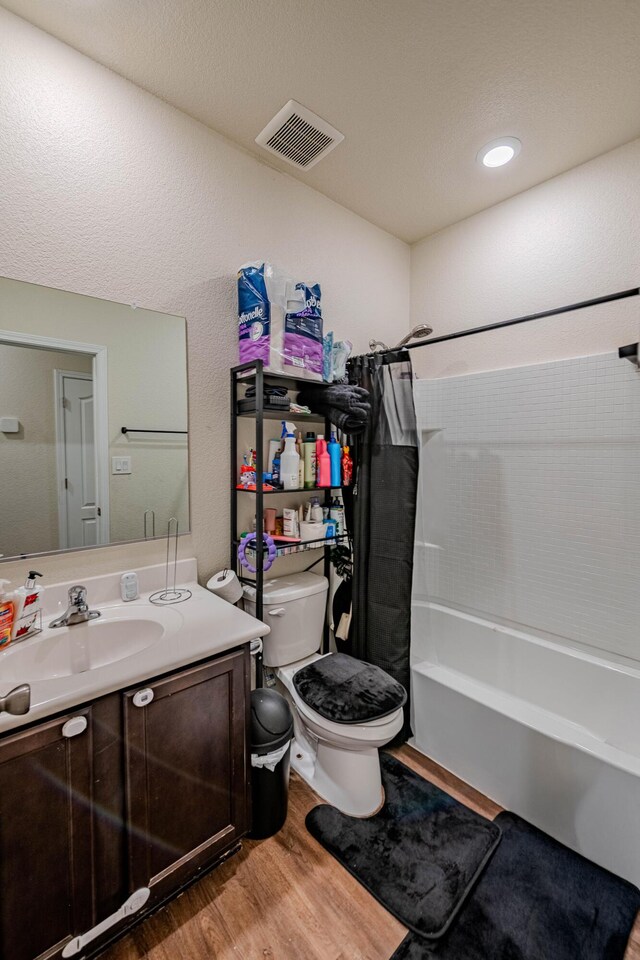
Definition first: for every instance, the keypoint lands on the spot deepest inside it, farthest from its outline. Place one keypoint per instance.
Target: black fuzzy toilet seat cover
(345, 690)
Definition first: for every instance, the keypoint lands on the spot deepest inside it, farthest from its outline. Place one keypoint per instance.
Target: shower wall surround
(528, 498)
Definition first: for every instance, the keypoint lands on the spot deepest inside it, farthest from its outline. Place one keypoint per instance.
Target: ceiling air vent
(299, 136)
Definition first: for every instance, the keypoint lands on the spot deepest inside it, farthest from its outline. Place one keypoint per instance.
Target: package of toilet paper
(279, 321)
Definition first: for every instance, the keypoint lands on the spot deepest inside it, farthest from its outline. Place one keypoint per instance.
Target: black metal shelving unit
(254, 374)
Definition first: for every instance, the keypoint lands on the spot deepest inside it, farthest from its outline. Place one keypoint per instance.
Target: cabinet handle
(142, 697)
(74, 726)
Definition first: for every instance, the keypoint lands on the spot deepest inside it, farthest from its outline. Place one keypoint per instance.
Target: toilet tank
(295, 609)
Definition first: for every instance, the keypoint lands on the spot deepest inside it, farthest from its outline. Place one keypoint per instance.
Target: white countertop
(200, 627)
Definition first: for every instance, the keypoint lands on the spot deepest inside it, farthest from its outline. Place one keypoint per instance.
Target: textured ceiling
(416, 86)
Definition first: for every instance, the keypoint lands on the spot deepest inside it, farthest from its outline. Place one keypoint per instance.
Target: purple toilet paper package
(302, 344)
(279, 321)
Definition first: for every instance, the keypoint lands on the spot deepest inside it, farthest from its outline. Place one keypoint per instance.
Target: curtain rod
(621, 295)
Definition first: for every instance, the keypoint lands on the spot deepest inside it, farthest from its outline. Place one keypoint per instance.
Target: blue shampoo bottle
(335, 455)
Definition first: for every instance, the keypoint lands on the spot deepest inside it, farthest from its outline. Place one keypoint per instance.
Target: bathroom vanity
(112, 805)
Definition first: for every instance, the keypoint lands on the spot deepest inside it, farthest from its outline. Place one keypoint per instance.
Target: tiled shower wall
(529, 501)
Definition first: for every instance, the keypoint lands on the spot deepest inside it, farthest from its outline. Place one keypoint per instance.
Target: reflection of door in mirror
(75, 454)
(48, 465)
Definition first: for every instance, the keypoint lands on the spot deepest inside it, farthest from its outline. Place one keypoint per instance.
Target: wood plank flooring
(286, 898)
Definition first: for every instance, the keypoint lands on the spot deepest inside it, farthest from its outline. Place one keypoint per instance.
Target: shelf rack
(254, 374)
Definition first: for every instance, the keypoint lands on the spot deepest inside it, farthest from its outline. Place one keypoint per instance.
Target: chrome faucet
(78, 609)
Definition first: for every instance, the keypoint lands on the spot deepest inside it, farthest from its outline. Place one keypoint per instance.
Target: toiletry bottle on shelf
(275, 475)
(324, 463)
(280, 448)
(7, 612)
(347, 468)
(28, 601)
(330, 530)
(290, 522)
(274, 451)
(315, 515)
(335, 456)
(337, 514)
(287, 428)
(289, 464)
(270, 520)
(310, 461)
(300, 452)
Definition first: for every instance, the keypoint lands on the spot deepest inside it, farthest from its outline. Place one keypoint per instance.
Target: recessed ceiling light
(498, 152)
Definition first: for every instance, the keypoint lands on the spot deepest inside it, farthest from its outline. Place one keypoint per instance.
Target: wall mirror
(93, 421)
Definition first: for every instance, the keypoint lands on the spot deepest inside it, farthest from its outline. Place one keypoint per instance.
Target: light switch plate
(120, 465)
(9, 425)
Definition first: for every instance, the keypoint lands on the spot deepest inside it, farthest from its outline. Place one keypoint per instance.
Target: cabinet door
(45, 838)
(186, 771)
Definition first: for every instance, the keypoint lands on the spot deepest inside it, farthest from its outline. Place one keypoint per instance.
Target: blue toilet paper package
(279, 321)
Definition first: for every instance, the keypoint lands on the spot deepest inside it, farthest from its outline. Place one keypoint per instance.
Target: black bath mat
(419, 856)
(537, 900)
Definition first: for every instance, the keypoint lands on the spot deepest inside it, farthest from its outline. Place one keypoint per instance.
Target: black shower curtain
(383, 517)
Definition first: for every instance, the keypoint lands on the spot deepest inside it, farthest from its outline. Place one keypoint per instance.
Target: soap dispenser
(28, 603)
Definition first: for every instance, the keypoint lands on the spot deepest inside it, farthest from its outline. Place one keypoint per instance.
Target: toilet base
(347, 779)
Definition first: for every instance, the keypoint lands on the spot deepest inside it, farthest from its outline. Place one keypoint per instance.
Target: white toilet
(338, 759)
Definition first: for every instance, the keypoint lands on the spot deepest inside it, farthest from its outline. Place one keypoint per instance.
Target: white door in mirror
(129, 586)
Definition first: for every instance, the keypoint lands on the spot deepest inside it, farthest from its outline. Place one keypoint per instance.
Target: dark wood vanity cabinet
(145, 796)
(46, 871)
(185, 790)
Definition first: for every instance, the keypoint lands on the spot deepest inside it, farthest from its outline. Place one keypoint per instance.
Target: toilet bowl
(339, 760)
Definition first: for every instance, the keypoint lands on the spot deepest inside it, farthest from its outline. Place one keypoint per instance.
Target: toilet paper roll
(225, 584)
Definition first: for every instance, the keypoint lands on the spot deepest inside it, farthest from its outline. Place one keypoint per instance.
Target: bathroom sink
(62, 652)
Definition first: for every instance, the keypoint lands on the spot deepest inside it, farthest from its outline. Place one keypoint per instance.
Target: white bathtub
(549, 732)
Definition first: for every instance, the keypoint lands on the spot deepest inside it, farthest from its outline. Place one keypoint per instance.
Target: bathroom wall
(528, 484)
(110, 192)
(28, 457)
(572, 238)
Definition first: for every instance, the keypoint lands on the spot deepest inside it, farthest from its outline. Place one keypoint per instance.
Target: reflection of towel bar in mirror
(137, 430)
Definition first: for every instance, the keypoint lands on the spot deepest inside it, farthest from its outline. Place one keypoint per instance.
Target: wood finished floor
(286, 898)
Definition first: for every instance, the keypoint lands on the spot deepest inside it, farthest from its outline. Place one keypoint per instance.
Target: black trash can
(271, 729)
